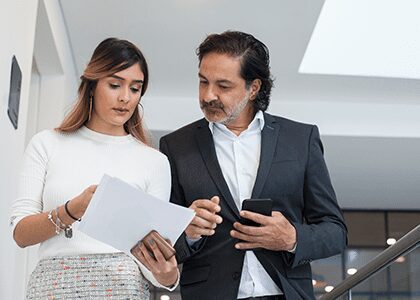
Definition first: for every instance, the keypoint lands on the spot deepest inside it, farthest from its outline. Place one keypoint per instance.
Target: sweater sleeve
(31, 179)
(159, 182)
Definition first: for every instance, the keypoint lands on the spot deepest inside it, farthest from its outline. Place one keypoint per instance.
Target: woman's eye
(113, 86)
(135, 90)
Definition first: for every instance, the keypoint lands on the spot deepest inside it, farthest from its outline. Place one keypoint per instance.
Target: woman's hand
(165, 271)
(78, 205)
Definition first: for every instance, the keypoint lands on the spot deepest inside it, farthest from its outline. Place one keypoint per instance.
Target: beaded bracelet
(68, 230)
(58, 229)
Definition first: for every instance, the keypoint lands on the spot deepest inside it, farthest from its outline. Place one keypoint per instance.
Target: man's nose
(208, 94)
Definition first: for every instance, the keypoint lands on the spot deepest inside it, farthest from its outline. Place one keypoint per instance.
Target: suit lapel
(269, 136)
(208, 153)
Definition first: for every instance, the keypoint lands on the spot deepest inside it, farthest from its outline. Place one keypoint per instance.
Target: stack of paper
(121, 215)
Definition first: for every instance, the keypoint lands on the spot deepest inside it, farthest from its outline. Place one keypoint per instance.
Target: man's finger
(244, 237)
(215, 199)
(208, 216)
(194, 231)
(277, 214)
(260, 219)
(249, 230)
(206, 204)
(202, 223)
(246, 246)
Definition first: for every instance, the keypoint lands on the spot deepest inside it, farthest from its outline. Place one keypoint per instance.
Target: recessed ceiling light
(391, 241)
(329, 288)
(351, 271)
(400, 259)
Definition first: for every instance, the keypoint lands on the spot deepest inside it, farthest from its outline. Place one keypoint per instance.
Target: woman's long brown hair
(110, 56)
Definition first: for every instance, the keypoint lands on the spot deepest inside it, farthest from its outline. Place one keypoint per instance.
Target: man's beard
(231, 115)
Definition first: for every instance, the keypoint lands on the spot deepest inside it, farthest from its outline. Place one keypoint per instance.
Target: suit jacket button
(236, 275)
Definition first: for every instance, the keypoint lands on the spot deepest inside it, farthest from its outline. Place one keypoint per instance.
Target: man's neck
(240, 125)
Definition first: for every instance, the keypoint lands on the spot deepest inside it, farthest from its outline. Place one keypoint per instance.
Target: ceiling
(367, 171)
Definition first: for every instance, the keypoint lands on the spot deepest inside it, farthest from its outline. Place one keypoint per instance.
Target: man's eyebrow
(218, 81)
(224, 81)
(123, 79)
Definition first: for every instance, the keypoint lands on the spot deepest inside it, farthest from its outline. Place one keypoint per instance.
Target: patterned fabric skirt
(92, 276)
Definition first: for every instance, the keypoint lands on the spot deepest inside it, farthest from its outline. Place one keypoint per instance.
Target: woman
(102, 134)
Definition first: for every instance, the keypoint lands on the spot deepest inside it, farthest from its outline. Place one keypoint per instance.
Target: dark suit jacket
(292, 172)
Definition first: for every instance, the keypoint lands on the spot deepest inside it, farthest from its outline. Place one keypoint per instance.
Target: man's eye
(113, 86)
(223, 87)
(203, 82)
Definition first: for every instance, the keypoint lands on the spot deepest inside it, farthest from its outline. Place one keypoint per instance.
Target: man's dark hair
(254, 55)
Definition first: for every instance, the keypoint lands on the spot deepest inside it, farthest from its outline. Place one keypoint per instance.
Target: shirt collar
(257, 121)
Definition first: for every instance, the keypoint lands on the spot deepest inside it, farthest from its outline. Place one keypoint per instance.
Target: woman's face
(114, 100)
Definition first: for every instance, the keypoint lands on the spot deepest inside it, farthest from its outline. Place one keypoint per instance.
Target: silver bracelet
(68, 230)
(58, 229)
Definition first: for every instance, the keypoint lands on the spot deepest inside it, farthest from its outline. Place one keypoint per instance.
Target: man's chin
(213, 117)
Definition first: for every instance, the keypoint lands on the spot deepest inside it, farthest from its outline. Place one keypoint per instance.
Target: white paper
(120, 215)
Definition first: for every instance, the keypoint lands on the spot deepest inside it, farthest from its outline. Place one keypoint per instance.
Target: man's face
(224, 97)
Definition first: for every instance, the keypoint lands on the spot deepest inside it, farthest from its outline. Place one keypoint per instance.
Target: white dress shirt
(239, 158)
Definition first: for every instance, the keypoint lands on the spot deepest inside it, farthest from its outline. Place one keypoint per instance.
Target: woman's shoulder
(151, 154)
(48, 136)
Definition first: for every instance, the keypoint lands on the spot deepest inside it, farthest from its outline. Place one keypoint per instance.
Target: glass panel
(400, 280)
(400, 223)
(365, 229)
(162, 294)
(326, 272)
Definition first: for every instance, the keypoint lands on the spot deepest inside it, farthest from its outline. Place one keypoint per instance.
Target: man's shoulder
(186, 131)
(288, 123)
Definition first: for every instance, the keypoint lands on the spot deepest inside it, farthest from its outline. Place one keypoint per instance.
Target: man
(237, 152)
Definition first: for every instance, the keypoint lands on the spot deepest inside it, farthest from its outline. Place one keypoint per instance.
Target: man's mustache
(211, 104)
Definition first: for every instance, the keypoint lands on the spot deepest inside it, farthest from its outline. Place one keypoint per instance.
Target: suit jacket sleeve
(324, 232)
(183, 250)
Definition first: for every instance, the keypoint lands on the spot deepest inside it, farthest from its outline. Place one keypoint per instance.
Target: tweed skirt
(92, 276)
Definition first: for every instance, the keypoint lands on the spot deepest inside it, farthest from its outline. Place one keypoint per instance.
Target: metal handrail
(385, 258)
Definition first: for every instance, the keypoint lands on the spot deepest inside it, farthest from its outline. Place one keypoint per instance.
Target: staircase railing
(404, 245)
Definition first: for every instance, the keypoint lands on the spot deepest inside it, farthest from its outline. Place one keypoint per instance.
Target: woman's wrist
(170, 280)
(75, 209)
(70, 214)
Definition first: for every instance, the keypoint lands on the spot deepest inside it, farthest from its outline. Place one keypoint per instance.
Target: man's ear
(254, 89)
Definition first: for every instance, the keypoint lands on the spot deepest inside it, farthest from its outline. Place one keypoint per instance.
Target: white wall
(17, 27)
(19, 32)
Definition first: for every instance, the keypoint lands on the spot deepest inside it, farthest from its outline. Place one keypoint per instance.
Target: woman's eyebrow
(123, 79)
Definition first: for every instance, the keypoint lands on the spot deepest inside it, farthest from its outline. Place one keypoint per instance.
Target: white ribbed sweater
(58, 167)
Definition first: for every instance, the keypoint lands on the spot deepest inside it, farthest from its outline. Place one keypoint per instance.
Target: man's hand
(275, 233)
(206, 219)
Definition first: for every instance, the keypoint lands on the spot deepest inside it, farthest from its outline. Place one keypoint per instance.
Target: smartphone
(167, 250)
(260, 206)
